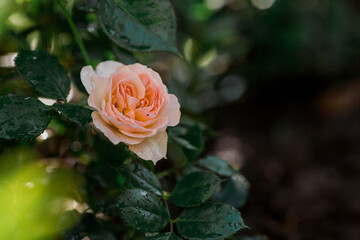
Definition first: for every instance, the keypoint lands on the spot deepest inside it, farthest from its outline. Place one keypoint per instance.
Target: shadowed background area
(295, 129)
(278, 81)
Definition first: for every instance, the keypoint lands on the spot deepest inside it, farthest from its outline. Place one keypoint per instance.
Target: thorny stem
(76, 33)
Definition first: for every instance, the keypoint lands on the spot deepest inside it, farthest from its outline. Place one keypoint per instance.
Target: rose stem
(76, 33)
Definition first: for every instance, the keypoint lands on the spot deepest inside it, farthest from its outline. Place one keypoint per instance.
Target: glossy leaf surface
(44, 73)
(251, 238)
(143, 210)
(194, 189)
(136, 176)
(22, 118)
(211, 221)
(164, 236)
(74, 113)
(217, 165)
(139, 25)
(234, 191)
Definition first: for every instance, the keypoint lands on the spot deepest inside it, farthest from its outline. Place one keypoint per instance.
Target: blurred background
(277, 80)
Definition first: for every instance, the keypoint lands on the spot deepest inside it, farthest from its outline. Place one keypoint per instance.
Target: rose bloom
(132, 105)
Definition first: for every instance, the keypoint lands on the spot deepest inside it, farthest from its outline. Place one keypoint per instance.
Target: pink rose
(133, 106)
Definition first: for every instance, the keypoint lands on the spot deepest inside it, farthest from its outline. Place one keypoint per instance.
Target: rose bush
(99, 190)
(132, 105)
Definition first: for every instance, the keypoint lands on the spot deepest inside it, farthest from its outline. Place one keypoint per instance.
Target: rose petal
(121, 73)
(158, 126)
(160, 123)
(146, 74)
(152, 148)
(86, 74)
(112, 133)
(105, 69)
(124, 123)
(139, 134)
(97, 93)
(144, 114)
(172, 111)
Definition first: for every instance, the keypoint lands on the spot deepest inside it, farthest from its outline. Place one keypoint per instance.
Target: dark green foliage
(74, 113)
(111, 187)
(195, 138)
(251, 238)
(164, 236)
(194, 189)
(44, 73)
(143, 210)
(140, 25)
(216, 165)
(22, 118)
(89, 226)
(234, 191)
(136, 176)
(209, 221)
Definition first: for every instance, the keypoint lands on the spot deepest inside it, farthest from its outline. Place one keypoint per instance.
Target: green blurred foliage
(34, 194)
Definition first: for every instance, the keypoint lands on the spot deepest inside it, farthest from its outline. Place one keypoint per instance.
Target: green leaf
(184, 143)
(191, 169)
(234, 191)
(139, 25)
(250, 238)
(44, 73)
(136, 176)
(211, 221)
(143, 210)
(74, 113)
(195, 138)
(22, 118)
(194, 189)
(217, 165)
(164, 236)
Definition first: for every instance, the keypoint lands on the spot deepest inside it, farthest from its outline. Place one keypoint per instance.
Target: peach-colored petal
(139, 134)
(112, 133)
(152, 148)
(156, 76)
(123, 125)
(122, 74)
(120, 102)
(109, 109)
(96, 95)
(157, 126)
(98, 80)
(144, 114)
(146, 74)
(86, 74)
(132, 102)
(147, 123)
(172, 111)
(105, 69)
(160, 123)
(130, 81)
